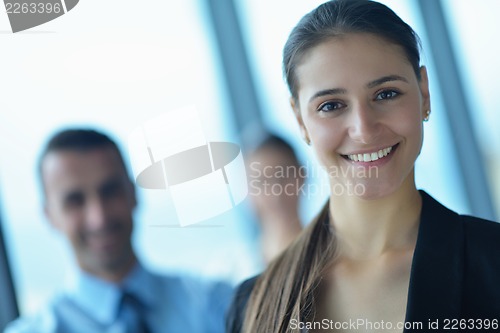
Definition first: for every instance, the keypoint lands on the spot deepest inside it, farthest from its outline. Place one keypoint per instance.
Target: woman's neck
(366, 229)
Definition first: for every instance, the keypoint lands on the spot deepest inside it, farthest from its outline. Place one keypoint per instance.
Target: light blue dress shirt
(173, 305)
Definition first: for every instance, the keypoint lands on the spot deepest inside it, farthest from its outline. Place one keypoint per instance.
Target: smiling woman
(365, 88)
(391, 253)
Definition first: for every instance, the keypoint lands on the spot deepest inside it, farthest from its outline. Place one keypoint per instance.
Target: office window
(474, 30)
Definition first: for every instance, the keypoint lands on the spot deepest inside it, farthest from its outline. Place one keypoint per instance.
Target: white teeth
(369, 157)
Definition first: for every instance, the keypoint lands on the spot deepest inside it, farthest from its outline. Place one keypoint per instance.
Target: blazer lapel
(437, 269)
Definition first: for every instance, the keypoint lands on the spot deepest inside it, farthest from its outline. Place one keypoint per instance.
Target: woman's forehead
(351, 47)
(351, 58)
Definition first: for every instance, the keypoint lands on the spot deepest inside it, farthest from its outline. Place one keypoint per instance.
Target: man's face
(90, 199)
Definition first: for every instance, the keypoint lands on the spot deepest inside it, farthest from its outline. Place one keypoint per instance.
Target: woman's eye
(387, 94)
(330, 106)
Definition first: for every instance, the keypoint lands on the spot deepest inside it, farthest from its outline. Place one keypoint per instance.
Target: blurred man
(275, 181)
(90, 199)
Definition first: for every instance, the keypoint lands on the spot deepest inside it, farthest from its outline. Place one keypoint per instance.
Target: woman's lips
(371, 158)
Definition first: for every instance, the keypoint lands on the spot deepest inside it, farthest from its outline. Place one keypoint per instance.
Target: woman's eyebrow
(325, 92)
(385, 79)
(371, 84)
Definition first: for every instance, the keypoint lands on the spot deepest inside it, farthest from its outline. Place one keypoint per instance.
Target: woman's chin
(373, 194)
(364, 190)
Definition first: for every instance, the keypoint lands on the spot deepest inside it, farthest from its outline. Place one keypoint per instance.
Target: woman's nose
(364, 124)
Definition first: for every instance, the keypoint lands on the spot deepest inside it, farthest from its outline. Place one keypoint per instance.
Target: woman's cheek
(326, 137)
(407, 124)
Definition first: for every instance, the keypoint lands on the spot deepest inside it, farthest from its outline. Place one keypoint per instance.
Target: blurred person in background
(90, 199)
(275, 181)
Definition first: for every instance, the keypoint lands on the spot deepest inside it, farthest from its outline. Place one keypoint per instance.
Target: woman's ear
(424, 90)
(298, 117)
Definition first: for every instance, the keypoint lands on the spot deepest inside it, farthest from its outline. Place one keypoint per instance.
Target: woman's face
(361, 106)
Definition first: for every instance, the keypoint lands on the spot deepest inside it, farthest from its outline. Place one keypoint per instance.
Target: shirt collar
(141, 284)
(89, 290)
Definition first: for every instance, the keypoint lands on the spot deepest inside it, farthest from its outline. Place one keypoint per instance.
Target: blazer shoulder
(481, 233)
(481, 223)
(236, 313)
(474, 227)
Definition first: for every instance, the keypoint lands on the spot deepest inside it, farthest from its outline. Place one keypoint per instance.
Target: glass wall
(474, 30)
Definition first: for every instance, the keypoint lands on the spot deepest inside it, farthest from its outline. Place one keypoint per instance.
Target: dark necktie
(135, 311)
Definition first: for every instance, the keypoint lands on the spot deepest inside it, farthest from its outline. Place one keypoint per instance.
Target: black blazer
(455, 274)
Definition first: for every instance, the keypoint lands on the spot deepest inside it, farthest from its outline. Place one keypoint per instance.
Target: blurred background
(115, 64)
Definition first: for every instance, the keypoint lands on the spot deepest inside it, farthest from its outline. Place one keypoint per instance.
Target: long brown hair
(287, 289)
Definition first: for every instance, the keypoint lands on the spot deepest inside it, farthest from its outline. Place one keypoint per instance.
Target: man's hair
(276, 142)
(77, 140)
